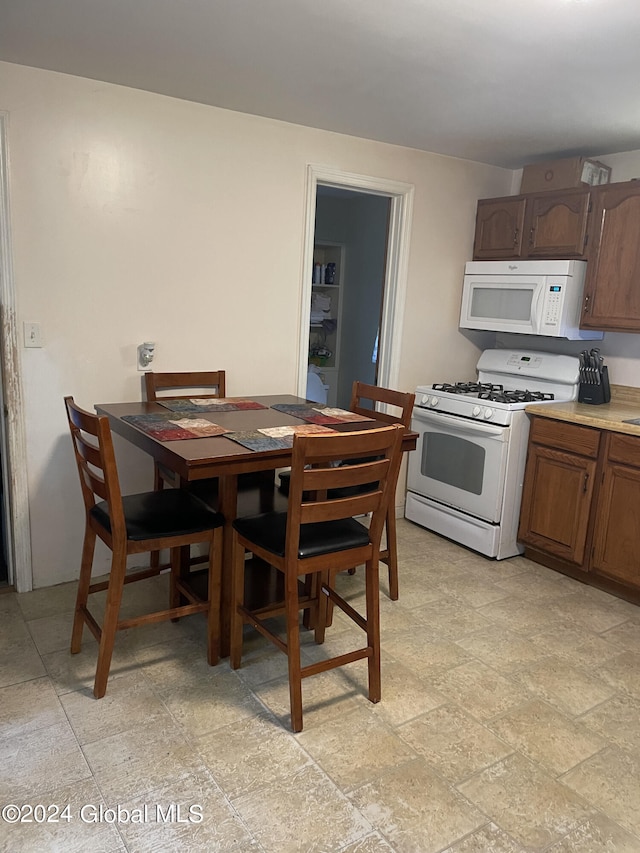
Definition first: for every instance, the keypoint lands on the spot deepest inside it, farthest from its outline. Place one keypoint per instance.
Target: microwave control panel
(553, 299)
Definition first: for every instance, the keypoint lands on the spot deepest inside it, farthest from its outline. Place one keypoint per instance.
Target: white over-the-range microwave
(525, 297)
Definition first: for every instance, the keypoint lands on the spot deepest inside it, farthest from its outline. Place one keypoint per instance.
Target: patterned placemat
(207, 404)
(319, 414)
(166, 427)
(274, 438)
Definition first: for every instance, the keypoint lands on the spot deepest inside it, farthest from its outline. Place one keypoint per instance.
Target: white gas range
(465, 477)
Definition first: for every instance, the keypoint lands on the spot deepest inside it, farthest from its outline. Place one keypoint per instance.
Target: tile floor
(510, 721)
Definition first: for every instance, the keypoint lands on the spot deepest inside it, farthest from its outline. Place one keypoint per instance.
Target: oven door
(459, 462)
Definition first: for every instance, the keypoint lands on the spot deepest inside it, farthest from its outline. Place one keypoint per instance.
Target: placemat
(319, 414)
(274, 438)
(207, 404)
(166, 427)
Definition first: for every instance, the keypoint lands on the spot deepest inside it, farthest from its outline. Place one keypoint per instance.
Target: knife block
(591, 392)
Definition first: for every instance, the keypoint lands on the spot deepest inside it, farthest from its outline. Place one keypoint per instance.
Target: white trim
(14, 444)
(395, 289)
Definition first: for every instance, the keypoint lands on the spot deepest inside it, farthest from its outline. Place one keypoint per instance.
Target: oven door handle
(460, 425)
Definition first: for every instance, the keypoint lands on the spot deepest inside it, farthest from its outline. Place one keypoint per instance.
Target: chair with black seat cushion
(316, 536)
(365, 400)
(136, 524)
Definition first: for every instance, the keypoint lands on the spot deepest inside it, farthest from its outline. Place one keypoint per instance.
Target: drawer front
(565, 436)
(624, 448)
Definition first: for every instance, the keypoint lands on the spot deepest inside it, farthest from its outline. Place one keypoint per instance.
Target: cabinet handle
(586, 483)
(531, 236)
(515, 236)
(586, 304)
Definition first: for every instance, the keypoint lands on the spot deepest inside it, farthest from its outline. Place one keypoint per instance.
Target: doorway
(356, 224)
(390, 205)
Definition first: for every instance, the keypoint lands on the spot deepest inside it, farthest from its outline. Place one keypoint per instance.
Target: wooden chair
(136, 524)
(365, 400)
(316, 536)
(202, 384)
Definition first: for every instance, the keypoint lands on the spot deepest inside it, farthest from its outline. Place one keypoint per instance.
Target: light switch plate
(32, 335)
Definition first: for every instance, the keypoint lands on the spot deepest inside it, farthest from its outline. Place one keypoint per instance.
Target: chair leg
(373, 628)
(323, 578)
(84, 583)
(158, 484)
(392, 554)
(237, 598)
(215, 587)
(110, 622)
(292, 610)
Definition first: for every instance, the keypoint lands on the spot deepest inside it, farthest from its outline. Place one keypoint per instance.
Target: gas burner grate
(467, 387)
(516, 396)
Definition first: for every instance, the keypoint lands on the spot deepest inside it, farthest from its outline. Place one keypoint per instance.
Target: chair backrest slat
(202, 383)
(315, 473)
(374, 394)
(96, 461)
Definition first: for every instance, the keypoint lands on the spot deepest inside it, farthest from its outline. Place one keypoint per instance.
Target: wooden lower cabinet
(581, 504)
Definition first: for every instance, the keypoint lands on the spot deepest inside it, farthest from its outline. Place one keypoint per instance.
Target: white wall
(140, 217)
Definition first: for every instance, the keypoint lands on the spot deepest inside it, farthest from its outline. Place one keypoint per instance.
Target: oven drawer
(561, 435)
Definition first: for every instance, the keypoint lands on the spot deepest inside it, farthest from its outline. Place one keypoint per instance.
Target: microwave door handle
(535, 309)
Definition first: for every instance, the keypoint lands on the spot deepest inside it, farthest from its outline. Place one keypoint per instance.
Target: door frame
(396, 272)
(13, 443)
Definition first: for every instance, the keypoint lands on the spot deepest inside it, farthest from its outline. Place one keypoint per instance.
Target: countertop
(624, 405)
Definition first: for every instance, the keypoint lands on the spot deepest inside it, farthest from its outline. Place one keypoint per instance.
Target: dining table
(221, 457)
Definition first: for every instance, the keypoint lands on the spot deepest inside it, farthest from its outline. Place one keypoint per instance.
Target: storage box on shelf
(563, 174)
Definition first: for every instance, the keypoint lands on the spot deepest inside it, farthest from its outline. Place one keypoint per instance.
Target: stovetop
(493, 392)
(508, 380)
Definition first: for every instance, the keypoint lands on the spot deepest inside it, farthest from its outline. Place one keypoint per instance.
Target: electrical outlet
(32, 335)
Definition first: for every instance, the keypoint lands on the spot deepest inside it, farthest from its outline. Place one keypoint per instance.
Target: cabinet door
(499, 223)
(612, 294)
(556, 224)
(556, 502)
(615, 552)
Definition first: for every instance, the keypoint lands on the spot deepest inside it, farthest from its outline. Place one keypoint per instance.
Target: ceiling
(505, 82)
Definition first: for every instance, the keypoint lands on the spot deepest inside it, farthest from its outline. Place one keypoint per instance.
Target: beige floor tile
(626, 636)
(597, 835)
(448, 619)
(621, 672)
(19, 661)
(13, 629)
(372, 843)
(453, 743)
(212, 703)
(51, 633)
(140, 759)
(576, 645)
(473, 589)
(425, 657)
(37, 761)
(594, 614)
(190, 814)
(309, 814)
(47, 601)
(618, 720)
(479, 689)
(251, 755)
(489, 839)
(27, 706)
(75, 830)
(9, 605)
(354, 748)
(404, 695)
(611, 781)
(537, 585)
(571, 690)
(526, 802)
(547, 737)
(501, 648)
(415, 810)
(534, 616)
(129, 702)
(76, 672)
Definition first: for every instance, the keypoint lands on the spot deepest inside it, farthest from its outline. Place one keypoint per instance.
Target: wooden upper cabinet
(539, 225)
(612, 288)
(556, 224)
(499, 226)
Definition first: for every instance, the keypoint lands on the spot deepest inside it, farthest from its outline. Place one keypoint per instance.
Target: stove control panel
(482, 411)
